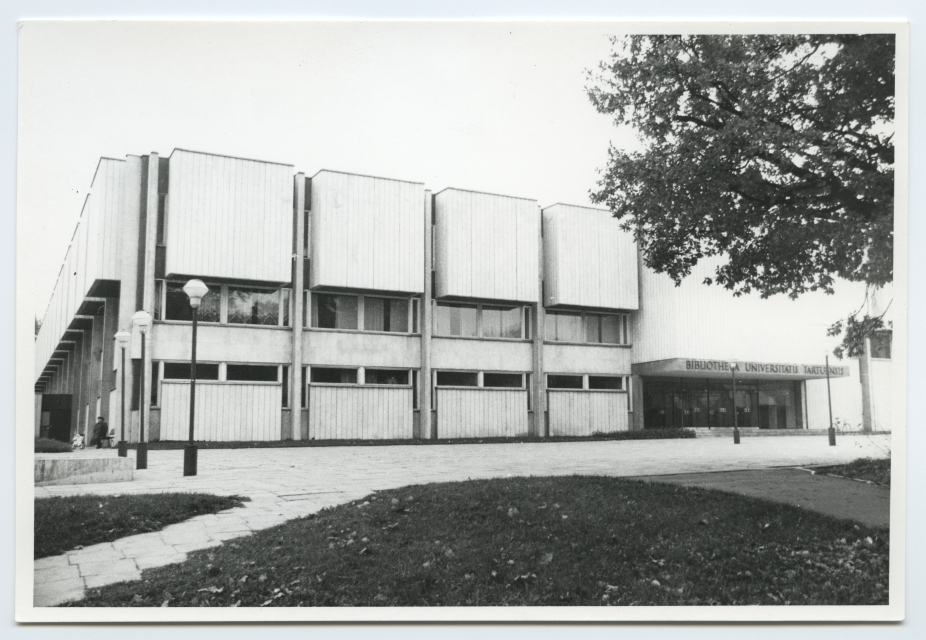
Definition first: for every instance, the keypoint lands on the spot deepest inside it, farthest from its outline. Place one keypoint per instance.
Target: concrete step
(754, 432)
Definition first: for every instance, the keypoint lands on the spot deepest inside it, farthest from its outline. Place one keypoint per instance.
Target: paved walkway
(864, 503)
(293, 482)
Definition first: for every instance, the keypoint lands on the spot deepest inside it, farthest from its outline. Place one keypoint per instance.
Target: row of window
(234, 304)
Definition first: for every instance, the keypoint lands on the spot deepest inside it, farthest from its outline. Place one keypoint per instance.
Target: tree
(774, 151)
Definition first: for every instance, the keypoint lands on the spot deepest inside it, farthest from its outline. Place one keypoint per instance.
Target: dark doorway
(58, 407)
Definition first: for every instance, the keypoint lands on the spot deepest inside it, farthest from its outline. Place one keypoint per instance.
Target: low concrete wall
(58, 469)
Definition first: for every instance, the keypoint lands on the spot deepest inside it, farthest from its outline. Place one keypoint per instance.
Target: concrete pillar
(539, 426)
(135, 207)
(864, 372)
(107, 381)
(636, 399)
(94, 367)
(151, 237)
(298, 299)
(427, 427)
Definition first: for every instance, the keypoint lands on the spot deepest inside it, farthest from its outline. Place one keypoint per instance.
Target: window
(331, 311)
(457, 379)
(501, 322)
(253, 306)
(285, 305)
(530, 392)
(385, 314)
(455, 320)
(608, 383)
(564, 327)
(387, 376)
(415, 311)
(305, 382)
(181, 371)
(564, 382)
(136, 383)
(414, 389)
(881, 344)
(502, 380)
(592, 328)
(332, 375)
(154, 383)
(285, 387)
(250, 372)
(177, 304)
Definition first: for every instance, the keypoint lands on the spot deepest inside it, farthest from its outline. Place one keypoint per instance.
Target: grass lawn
(532, 541)
(870, 469)
(62, 523)
(648, 434)
(46, 445)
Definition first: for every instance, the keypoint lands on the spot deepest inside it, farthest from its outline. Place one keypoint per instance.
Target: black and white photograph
(456, 320)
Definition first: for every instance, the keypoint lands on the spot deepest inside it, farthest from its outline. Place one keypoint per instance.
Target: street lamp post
(829, 399)
(736, 427)
(142, 320)
(122, 338)
(196, 290)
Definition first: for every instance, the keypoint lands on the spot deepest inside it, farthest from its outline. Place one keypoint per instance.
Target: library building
(344, 307)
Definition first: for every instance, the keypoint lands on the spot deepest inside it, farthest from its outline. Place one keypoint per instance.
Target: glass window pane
(397, 315)
(347, 312)
(250, 372)
(592, 327)
(177, 306)
(881, 344)
(564, 382)
(181, 371)
(455, 320)
(387, 376)
(253, 306)
(457, 379)
(491, 322)
(613, 383)
(286, 306)
(331, 375)
(373, 314)
(504, 380)
(611, 330)
(509, 323)
(569, 327)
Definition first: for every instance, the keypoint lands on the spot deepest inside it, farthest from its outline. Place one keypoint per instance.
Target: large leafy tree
(773, 151)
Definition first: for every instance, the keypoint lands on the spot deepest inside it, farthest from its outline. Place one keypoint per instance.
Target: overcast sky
(497, 107)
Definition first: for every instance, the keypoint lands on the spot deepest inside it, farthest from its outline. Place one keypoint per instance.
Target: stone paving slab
(286, 483)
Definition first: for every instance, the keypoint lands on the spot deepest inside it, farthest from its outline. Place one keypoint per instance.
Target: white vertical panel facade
(367, 233)
(847, 400)
(588, 260)
(481, 413)
(881, 394)
(229, 218)
(360, 412)
(585, 413)
(486, 246)
(226, 412)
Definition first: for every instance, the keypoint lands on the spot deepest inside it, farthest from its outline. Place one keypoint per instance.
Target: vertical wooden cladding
(588, 260)
(360, 412)
(481, 413)
(227, 412)
(95, 254)
(229, 218)
(486, 246)
(366, 233)
(583, 413)
(104, 219)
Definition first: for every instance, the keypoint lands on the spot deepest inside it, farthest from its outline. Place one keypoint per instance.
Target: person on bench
(100, 433)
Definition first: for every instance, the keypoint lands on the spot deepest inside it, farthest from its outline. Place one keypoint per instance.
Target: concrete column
(427, 428)
(636, 391)
(136, 182)
(539, 426)
(151, 238)
(110, 327)
(864, 372)
(298, 298)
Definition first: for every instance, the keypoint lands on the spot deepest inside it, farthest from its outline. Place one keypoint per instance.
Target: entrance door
(58, 406)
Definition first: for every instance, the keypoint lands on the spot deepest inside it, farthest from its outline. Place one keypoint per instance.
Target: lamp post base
(123, 448)
(736, 436)
(189, 460)
(832, 434)
(141, 456)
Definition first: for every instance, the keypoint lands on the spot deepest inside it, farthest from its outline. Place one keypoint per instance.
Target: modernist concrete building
(345, 306)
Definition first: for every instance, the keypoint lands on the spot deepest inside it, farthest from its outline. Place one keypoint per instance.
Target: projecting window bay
(242, 305)
(590, 328)
(364, 313)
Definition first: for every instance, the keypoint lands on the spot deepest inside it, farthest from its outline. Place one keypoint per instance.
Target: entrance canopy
(695, 368)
